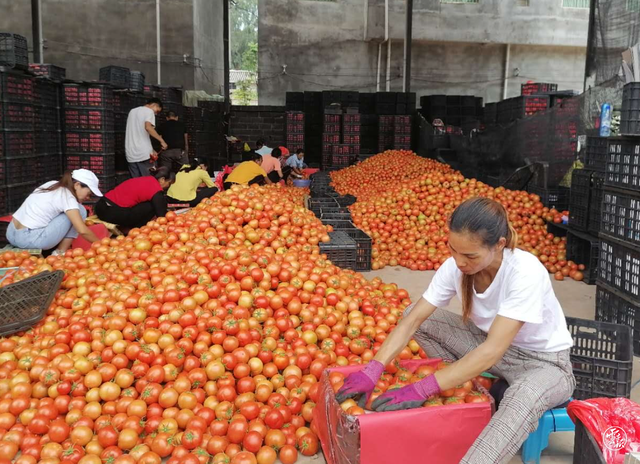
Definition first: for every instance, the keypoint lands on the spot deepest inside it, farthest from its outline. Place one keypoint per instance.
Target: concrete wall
(85, 35)
(326, 45)
(207, 45)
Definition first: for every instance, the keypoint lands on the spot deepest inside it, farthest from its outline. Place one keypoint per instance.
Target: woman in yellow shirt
(188, 179)
(248, 173)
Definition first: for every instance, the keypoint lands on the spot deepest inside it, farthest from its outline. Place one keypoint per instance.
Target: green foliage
(244, 34)
(245, 92)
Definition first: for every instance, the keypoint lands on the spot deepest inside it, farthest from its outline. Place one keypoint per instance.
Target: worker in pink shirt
(271, 165)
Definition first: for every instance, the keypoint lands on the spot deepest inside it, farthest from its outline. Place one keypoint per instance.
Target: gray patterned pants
(537, 382)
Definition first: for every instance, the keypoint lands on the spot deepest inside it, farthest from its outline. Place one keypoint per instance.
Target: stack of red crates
(89, 140)
(295, 130)
(402, 132)
(331, 135)
(351, 124)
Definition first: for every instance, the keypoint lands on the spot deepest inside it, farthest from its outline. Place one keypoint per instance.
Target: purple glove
(361, 383)
(411, 396)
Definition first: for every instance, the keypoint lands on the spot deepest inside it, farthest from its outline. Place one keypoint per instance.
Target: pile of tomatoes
(404, 202)
(396, 377)
(199, 338)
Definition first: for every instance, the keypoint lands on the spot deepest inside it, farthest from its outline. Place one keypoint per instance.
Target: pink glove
(411, 396)
(361, 383)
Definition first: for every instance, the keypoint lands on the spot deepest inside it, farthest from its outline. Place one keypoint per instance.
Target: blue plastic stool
(554, 420)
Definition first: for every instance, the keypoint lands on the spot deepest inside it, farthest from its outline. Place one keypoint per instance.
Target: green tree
(245, 92)
(244, 34)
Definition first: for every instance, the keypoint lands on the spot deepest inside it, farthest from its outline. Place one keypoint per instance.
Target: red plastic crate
(294, 138)
(16, 143)
(351, 139)
(88, 119)
(332, 118)
(533, 88)
(295, 128)
(100, 165)
(351, 119)
(331, 138)
(295, 116)
(89, 142)
(88, 95)
(16, 87)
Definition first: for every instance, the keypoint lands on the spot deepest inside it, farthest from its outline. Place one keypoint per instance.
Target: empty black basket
(341, 250)
(584, 249)
(14, 51)
(24, 303)
(363, 254)
(601, 357)
(117, 76)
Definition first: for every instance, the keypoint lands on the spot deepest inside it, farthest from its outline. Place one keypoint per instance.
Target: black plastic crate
(363, 242)
(121, 176)
(323, 202)
(50, 71)
(596, 153)
(88, 95)
(16, 87)
(17, 193)
(136, 81)
(339, 224)
(47, 119)
(615, 307)
(46, 93)
(623, 163)
(346, 200)
(117, 76)
(48, 142)
(100, 165)
(171, 95)
(579, 199)
(585, 447)
(601, 357)
(341, 250)
(106, 183)
(630, 112)
(619, 266)
(88, 119)
(16, 143)
(89, 142)
(24, 303)
(584, 249)
(595, 204)
(620, 215)
(14, 51)
(16, 116)
(557, 198)
(18, 170)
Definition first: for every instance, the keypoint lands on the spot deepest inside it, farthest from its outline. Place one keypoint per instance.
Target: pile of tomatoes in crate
(199, 338)
(404, 202)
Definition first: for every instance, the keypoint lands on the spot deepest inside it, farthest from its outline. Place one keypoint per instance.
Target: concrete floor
(577, 299)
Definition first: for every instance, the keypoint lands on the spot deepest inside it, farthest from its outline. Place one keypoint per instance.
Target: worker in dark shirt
(174, 134)
(136, 201)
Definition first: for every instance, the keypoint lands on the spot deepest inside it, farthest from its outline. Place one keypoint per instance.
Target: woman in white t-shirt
(512, 326)
(53, 216)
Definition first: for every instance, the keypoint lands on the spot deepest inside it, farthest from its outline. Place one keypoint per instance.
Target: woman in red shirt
(136, 201)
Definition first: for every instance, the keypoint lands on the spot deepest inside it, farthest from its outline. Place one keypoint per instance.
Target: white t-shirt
(521, 290)
(40, 208)
(137, 140)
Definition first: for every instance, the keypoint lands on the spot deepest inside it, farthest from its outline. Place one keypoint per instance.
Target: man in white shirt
(140, 125)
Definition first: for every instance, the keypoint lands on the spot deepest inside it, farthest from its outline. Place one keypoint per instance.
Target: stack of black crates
(204, 125)
(123, 102)
(349, 247)
(30, 144)
(89, 134)
(618, 293)
(452, 110)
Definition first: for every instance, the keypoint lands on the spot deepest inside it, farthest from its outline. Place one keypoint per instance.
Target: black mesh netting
(613, 27)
